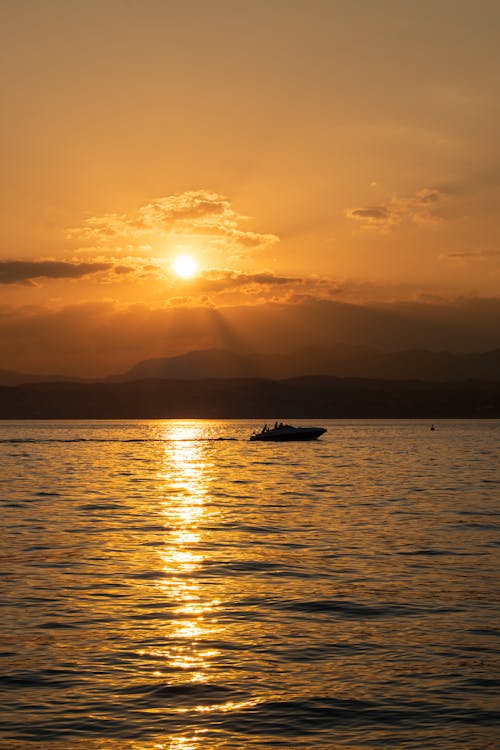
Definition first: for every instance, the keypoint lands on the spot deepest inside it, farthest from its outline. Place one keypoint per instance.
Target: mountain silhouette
(11, 377)
(341, 360)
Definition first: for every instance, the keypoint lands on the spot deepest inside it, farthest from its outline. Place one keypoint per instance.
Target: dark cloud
(219, 280)
(376, 213)
(471, 255)
(428, 195)
(420, 208)
(225, 286)
(25, 272)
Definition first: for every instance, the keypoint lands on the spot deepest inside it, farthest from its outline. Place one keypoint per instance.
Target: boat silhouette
(286, 432)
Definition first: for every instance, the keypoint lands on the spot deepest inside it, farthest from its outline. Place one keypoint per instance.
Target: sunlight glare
(185, 266)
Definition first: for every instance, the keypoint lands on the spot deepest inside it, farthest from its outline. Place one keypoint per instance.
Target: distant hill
(340, 360)
(296, 398)
(10, 377)
(208, 363)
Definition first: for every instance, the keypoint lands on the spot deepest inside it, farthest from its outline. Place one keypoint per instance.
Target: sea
(169, 585)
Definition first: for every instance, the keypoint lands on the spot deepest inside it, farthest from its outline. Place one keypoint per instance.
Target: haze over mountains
(341, 360)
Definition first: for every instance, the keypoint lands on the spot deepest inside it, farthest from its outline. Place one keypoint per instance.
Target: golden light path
(184, 485)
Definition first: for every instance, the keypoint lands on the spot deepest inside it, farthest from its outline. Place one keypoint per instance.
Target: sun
(185, 266)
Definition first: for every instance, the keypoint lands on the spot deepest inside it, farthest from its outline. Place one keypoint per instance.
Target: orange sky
(308, 154)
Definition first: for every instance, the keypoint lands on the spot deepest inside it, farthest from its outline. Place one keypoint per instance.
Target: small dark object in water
(285, 433)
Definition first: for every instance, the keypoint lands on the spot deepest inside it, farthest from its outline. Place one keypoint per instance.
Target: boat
(286, 432)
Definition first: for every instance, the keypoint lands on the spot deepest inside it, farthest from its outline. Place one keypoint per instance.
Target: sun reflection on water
(187, 654)
(182, 743)
(184, 483)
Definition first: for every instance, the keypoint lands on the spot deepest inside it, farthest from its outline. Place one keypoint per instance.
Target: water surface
(170, 585)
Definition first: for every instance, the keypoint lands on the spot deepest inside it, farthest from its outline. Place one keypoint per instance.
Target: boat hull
(285, 436)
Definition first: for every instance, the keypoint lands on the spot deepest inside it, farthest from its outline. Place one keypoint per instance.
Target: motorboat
(285, 432)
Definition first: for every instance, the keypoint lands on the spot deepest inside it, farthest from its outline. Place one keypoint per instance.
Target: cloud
(228, 287)
(471, 262)
(201, 213)
(471, 256)
(224, 280)
(370, 214)
(225, 284)
(26, 272)
(475, 182)
(421, 208)
(465, 196)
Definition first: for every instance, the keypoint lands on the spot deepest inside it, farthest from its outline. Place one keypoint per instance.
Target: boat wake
(37, 441)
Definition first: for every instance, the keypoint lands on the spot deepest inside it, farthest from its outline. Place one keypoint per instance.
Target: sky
(330, 168)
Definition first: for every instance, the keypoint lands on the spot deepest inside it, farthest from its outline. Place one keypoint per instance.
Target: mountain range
(341, 360)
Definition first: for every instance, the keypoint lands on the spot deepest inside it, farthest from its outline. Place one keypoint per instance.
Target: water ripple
(165, 588)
